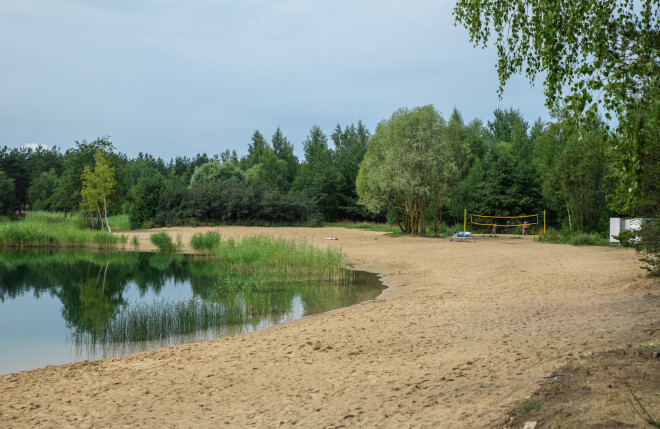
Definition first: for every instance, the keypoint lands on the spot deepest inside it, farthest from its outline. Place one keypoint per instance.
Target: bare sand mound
(463, 333)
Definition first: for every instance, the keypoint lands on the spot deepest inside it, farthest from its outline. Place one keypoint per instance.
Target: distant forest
(502, 167)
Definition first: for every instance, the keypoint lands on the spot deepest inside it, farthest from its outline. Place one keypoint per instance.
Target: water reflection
(118, 303)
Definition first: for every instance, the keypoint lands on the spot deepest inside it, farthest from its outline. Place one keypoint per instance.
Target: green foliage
(216, 172)
(40, 193)
(318, 178)
(231, 202)
(68, 195)
(135, 242)
(15, 166)
(585, 48)
(573, 165)
(406, 164)
(205, 242)
(284, 151)
(574, 238)
(120, 222)
(41, 229)
(7, 196)
(646, 242)
(144, 197)
(98, 184)
(163, 242)
(350, 148)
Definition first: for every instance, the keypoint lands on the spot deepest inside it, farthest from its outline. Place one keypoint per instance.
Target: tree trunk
(570, 226)
(105, 209)
(421, 217)
(100, 218)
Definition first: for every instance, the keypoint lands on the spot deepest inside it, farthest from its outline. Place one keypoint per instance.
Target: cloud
(35, 146)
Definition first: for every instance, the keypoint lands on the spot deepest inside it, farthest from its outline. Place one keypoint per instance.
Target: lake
(66, 306)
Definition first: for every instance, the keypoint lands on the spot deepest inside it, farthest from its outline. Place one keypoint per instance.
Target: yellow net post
(543, 222)
(464, 218)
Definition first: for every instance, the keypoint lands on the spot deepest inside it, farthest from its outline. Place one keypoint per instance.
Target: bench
(463, 238)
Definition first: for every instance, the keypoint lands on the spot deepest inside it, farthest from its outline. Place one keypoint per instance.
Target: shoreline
(461, 333)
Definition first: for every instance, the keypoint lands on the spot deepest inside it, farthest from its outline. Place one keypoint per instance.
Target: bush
(205, 242)
(163, 242)
(574, 238)
(649, 245)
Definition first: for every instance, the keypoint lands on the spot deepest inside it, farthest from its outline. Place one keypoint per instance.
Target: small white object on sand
(330, 238)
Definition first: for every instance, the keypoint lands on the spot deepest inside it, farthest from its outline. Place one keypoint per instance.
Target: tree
(41, 190)
(13, 162)
(97, 186)
(216, 172)
(144, 197)
(68, 195)
(284, 151)
(7, 195)
(398, 168)
(585, 47)
(350, 148)
(573, 168)
(318, 177)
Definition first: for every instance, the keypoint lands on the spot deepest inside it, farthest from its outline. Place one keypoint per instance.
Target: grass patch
(205, 242)
(574, 238)
(119, 223)
(527, 406)
(443, 229)
(42, 229)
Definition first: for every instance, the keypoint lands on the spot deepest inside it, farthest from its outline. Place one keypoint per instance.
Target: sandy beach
(463, 332)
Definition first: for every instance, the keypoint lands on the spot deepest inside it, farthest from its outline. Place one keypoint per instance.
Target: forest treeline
(502, 167)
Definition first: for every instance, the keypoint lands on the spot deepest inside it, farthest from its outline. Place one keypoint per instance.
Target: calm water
(53, 304)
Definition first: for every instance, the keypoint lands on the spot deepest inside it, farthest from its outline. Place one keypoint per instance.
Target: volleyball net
(504, 221)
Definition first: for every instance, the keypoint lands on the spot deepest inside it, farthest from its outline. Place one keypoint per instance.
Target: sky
(181, 77)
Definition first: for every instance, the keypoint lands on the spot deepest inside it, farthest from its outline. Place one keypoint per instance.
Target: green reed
(42, 229)
(279, 257)
(162, 319)
(206, 242)
(120, 223)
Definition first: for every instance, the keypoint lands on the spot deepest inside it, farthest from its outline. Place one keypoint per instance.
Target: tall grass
(205, 242)
(119, 223)
(279, 257)
(162, 319)
(42, 229)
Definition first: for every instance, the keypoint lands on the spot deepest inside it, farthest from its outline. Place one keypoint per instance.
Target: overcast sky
(172, 77)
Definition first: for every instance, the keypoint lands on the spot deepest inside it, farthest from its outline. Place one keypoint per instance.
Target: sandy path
(465, 330)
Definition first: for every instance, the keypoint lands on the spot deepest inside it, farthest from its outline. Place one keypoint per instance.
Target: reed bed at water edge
(206, 242)
(162, 319)
(41, 229)
(279, 257)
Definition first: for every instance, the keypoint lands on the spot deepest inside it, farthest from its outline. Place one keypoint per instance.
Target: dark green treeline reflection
(92, 288)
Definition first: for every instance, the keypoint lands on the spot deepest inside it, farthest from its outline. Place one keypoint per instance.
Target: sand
(464, 331)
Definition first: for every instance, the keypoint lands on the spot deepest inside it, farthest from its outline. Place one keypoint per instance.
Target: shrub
(205, 242)
(163, 242)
